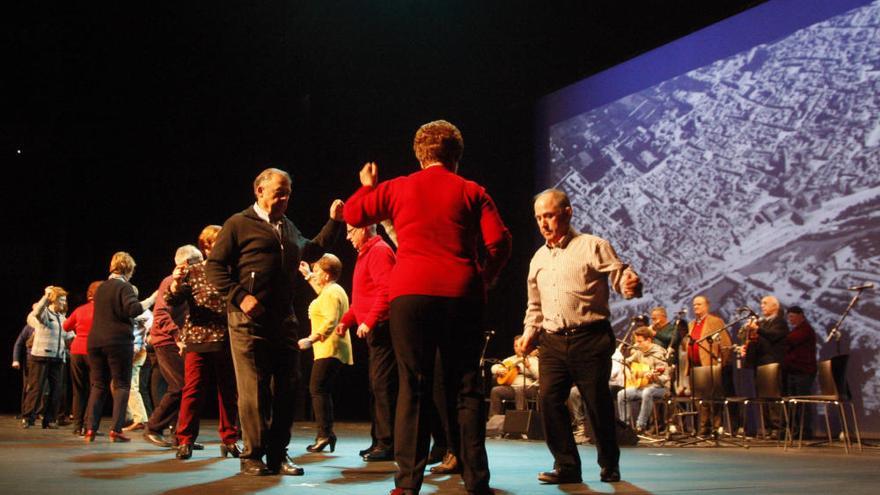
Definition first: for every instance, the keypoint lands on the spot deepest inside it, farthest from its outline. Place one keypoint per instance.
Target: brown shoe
(449, 465)
(134, 427)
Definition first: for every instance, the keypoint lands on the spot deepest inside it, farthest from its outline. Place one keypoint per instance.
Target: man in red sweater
(369, 312)
(799, 365)
(437, 291)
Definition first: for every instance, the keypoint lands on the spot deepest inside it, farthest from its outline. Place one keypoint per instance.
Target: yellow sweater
(325, 312)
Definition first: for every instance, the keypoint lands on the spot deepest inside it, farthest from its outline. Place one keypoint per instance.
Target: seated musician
(515, 375)
(647, 377)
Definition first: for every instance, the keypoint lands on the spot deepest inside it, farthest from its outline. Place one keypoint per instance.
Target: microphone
(642, 317)
(682, 312)
(488, 333)
(862, 287)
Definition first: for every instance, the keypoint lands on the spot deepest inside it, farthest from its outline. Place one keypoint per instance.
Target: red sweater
(438, 217)
(370, 284)
(800, 356)
(80, 322)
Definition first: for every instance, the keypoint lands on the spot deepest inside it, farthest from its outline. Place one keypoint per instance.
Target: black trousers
(324, 373)
(583, 359)
(383, 385)
(42, 372)
(266, 361)
(444, 423)
(420, 325)
(171, 365)
(79, 377)
(109, 365)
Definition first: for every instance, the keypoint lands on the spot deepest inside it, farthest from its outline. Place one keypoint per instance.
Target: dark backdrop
(132, 127)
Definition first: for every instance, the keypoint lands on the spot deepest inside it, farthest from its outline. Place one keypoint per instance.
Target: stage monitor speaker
(526, 423)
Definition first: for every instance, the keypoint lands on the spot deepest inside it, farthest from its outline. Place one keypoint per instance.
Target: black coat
(115, 305)
(771, 346)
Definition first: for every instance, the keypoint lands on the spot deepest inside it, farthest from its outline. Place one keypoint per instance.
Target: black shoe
(322, 442)
(26, 424)
(254, 467)
(184, 451)
(610, 474)
(367, 450)
(198, 446)
(232, 449)
(285, 467)
(450, 465)
(378, 455)
(157, 439)
(557, 477)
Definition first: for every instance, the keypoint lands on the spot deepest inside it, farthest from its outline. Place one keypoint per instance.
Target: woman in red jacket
(437, 292)
(80, 323)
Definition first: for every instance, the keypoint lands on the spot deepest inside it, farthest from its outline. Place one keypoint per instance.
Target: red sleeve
(70, 323)
(379, 263)
(348, 319)
(496, 238)
(369, 205)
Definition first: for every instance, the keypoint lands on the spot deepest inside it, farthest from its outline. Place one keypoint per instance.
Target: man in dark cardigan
(253, 264)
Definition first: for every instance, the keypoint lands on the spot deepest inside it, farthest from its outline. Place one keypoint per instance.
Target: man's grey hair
(267, 175)
(558, 195)
(187, 254)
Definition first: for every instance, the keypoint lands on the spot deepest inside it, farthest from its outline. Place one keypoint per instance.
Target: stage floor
(55, 461)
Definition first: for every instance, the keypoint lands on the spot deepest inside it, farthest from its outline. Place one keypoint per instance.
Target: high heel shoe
(322, 442)
(232, 449)
(89, 436)
(117, 437)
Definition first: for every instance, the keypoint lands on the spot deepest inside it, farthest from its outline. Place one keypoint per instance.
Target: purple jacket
(167, 318)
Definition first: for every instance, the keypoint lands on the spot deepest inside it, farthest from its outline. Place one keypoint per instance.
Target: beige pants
(136, 410)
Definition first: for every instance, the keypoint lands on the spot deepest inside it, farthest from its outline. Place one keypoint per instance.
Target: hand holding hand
(340, 329)
(305, 270)
(251, 306)
(369, 174)
(336, 209)
(179, 272)
(363, 330)
(47, 291)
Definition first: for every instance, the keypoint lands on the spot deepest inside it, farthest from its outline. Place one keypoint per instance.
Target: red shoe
(89, 436)
(118, 437)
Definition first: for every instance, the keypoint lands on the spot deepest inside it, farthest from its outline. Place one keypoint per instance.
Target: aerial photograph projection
(757, 174)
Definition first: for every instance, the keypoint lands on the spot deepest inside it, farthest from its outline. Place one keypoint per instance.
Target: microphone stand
(834, 333)
(701, 343)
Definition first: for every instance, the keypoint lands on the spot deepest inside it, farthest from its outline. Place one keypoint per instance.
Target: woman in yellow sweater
(331, 350)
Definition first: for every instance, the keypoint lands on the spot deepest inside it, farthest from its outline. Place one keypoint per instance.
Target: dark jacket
(250, 257)
(771, 346)
(115, 305)
(168, 318)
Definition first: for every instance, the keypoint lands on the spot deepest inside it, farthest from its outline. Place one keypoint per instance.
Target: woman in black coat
(110, 346)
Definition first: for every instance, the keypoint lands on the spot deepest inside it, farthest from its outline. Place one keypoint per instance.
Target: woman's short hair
(438, 141)
(331, 265)
(122, 264)
(93, 287)
(56, 293)
(188, 254)
(208, 236)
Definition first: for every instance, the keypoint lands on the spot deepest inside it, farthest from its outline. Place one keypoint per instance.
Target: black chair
(708, 386)
(833, 390)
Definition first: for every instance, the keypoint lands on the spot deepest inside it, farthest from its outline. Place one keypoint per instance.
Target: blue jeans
(645, 395)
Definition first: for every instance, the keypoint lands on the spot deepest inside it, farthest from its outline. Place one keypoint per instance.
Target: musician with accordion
(516, 379)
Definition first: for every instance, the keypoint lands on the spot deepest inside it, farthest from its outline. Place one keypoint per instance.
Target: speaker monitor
(526, 423)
